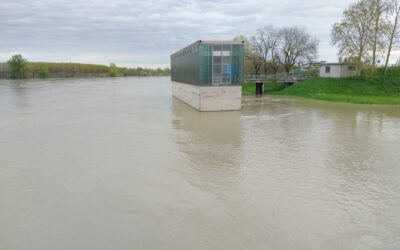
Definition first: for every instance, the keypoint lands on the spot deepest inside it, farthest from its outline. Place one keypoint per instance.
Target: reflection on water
(120, 164)
(210, 141)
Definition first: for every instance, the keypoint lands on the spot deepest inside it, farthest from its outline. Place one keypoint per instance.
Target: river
(117, 163)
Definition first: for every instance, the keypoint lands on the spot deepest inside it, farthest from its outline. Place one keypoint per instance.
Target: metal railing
(280, 77)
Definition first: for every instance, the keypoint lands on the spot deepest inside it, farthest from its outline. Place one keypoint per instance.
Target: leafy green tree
(17, 64)
(113, 70)
(393, 18)
(362, 30)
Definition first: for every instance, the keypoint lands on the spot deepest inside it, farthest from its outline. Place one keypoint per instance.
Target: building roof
(344, 63)
(208, 42)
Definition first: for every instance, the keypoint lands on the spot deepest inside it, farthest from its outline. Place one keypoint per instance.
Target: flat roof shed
(338, 70)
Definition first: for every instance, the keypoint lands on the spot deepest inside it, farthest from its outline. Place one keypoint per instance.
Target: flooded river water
(117, 163)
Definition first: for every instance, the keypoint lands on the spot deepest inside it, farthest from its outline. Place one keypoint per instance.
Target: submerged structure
(208, 75)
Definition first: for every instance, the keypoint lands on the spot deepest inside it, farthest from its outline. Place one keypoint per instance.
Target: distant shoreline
(43, 70)
(80, 77)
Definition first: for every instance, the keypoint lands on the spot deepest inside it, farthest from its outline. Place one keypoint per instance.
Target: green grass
(353, 90)
(367, 89)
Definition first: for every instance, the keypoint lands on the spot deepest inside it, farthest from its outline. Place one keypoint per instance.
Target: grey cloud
(132, 33)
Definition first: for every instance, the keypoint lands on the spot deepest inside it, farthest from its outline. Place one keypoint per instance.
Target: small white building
(337, 70)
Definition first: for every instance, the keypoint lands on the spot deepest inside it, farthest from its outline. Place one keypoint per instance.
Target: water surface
(117, 163)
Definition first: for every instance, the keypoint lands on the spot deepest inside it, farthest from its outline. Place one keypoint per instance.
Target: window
(226, 48)
(217, 70)
(327, 69)
(217, 47)
(222, 60)
(217, 53)
(217, 59)
(352, 68)
(226, 70)
(226, 59)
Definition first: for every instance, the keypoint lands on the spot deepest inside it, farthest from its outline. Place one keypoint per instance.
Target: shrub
(43, 73)
(17, 64)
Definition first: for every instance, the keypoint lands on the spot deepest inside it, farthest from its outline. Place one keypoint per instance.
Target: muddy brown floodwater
(117, 163)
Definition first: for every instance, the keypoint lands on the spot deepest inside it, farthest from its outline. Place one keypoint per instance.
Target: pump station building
(337, 70)
(208, 75)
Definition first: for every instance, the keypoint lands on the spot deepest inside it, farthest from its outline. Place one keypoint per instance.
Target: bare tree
(353, 34)
(264, 44)
(257, 63)
(394, 31)
(296, 46)
(259, 49)
(269, 41)
(277, 49)
(255, 59)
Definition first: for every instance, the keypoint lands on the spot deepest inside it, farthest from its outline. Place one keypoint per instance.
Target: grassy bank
(353, 90)
(367, 89)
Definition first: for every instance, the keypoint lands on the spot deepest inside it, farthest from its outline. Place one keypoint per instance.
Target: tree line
(367, 35)
(369, 30)
(18, 67)
(273, 50)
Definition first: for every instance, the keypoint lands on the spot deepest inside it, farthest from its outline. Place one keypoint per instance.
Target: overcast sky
(145, 33)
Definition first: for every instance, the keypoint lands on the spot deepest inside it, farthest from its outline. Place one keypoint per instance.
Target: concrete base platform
(209, 98)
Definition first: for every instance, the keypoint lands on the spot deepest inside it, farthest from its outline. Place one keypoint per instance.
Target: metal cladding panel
(185, 65)
(205, 64)
(237, 63)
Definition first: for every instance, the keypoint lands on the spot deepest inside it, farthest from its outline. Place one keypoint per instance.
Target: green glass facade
(209, 63)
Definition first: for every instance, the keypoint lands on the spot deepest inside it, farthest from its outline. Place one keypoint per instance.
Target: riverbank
(40, 70)
(360, 90)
